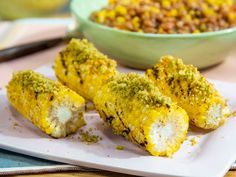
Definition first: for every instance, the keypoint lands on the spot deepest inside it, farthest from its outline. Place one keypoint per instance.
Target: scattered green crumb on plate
(119, 147)
(88, 137)
(193, 141)
(15, 124)
(233, 114)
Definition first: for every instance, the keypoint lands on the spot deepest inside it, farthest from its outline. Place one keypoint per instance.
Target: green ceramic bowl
(142, 51)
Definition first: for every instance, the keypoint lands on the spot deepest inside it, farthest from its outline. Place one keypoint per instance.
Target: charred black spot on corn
(106, 105)
(36, 95)
(63, 62)
(170, 80)
(109, 119)
(51, 98)
(155, 72)
(125, 132)
(142, 144)
(78, 73)
(189, 89)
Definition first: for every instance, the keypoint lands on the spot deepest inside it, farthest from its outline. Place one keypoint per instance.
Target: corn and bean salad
(168, 16)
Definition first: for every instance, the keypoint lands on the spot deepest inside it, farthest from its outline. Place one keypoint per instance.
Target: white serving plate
(212, 156)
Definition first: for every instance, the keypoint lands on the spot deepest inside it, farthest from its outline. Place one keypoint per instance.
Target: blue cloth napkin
(12, 163)
(10, 159)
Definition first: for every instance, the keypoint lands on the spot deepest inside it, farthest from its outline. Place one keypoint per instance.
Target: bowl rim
(149, 35)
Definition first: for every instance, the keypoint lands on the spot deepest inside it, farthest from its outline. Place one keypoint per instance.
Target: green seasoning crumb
(136, 86)
(193, 142)
(85, 59)
(119, 147)
(177, 71)
(88, 137)
(82, 51)
(15, 124)
(233, 114)
(34, 82)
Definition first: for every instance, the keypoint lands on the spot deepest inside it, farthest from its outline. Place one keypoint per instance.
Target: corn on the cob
(133, 106)
(186, 86)
(55, 109)
(83, 68)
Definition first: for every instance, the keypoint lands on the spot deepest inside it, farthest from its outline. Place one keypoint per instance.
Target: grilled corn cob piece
(133, 106)
(55, 109)
(186, 86)
(83, 68)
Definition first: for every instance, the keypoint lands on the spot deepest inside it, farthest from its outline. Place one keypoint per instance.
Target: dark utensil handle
(26, 49)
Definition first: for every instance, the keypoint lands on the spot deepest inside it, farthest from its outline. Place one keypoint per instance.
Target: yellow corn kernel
(120, 20)
(209, 12)
(173, 13)
(101, 16)
(166, 3)
(112, 1)
(231, 16)
(135, 22)
(155, 10)
(111, 14)
(121, 10)
(196, 31)
(188, 17)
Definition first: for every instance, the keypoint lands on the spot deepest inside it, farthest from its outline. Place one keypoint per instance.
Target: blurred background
(15, 9)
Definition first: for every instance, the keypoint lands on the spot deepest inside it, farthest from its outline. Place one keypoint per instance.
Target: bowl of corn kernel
(138, 32)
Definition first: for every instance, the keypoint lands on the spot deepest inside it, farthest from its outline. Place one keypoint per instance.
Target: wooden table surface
(226, 71)
(93, 174)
